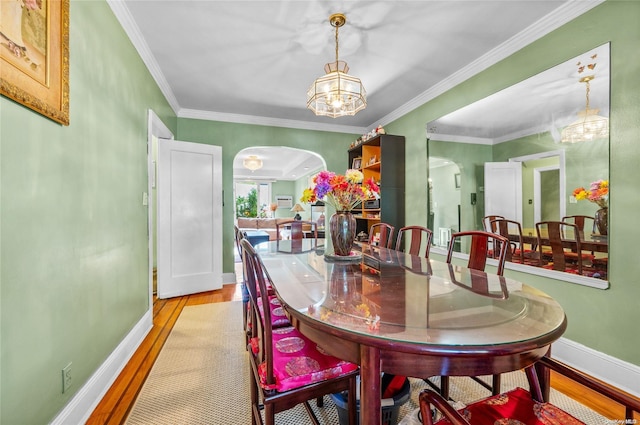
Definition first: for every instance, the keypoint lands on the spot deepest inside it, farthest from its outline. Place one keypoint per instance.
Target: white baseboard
(80, 407)
(620, 374)
(228, 278)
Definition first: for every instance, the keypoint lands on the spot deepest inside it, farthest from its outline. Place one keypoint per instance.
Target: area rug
(202, 377)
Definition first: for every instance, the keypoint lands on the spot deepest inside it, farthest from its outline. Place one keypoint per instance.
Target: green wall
(74, 277)
(601, 320)
(235, 137)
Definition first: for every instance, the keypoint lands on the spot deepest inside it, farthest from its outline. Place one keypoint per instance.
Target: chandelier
(589, 126)
(252, 163)
(337, 93)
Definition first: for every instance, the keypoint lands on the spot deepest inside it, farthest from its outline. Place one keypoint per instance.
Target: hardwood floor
(118, 401)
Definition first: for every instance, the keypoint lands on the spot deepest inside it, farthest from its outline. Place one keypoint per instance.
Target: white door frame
(563, 176)
(155, 130)
(537, 193)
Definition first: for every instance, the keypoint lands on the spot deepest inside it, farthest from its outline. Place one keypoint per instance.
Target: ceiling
(253, 61)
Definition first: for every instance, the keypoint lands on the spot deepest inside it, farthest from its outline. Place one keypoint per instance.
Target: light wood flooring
(116, 404)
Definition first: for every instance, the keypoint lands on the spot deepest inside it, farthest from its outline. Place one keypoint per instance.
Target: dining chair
(413, 238)
(486, 222)
(287, 368)
(384, 233)
(584, 222)
(483, 245)
(559, 244)
(517, 252)
(520, 406)
(243, 287)
(296, 229)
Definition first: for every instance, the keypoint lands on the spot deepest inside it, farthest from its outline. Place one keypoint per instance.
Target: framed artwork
(34, 55)
(357, 163)
(457, 180)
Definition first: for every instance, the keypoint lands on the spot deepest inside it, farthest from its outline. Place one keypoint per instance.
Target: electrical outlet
(66, 378)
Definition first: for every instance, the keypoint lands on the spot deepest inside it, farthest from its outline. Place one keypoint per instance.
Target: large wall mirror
(518, 135)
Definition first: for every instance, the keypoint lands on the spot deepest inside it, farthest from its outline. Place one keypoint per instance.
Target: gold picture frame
(34, 55)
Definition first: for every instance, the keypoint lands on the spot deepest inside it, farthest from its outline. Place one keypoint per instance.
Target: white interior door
(503, 189)
(189, 218)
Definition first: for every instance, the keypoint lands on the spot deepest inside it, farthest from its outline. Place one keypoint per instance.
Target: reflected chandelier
(252, 163)
(589, 126)
(337, 93)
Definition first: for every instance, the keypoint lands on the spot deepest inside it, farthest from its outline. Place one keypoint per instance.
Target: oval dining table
(406, 315)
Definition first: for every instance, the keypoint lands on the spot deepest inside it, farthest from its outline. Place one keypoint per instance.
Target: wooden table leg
(370, 408)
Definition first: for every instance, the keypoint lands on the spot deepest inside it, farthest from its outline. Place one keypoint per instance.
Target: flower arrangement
(342, 192)
(598, 193)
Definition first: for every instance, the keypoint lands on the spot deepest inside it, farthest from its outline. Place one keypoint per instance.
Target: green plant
(247, 206)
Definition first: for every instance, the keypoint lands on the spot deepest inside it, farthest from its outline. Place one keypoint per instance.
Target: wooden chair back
(483, 245)
(486, 222)
(584, 222)
(296, 229)
(415, 237)
(385, 235)
(559, 236)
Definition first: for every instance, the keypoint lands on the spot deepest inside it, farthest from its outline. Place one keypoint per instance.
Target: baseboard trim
(620, 374)
(80, 407)
(228, 278)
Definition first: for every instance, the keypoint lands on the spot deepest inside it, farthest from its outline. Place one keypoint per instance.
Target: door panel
(503, 189)
(189, 218)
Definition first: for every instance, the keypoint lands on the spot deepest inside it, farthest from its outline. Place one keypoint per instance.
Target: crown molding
(560, 16)
(554, 20)
(272, 122)
(127, 22)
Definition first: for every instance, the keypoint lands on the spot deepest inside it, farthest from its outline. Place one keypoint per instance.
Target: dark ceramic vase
(342, 228)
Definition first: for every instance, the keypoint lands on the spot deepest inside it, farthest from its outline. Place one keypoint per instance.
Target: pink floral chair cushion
(278, 318)
(515, 407)
(297, 361)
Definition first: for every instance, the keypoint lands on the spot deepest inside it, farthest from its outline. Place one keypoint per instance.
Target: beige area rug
(202, 377)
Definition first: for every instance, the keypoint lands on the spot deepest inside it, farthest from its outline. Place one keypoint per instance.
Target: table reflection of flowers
(345, 305)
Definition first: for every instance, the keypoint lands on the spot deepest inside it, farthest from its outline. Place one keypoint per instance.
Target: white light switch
(145, 198)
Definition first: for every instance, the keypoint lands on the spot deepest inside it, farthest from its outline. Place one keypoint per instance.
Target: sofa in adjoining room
(265, 224)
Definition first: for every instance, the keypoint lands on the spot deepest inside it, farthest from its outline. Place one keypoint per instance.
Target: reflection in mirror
(511, 160)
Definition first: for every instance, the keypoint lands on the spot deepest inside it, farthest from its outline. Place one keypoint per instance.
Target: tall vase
(602, 220)
(342, 228)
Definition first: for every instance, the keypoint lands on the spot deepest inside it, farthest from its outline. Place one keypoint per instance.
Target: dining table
(396, 313)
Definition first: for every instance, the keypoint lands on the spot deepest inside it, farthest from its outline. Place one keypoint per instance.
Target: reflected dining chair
(413, 238)
(584, 222)
(287, 368)
(384, 234)
(483, 245)
(517, 252)
(559, 244)
(520, 406)
(486, 222)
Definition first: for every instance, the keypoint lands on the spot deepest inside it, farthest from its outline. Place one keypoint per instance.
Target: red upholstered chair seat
(297, 361)
(515, 407)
